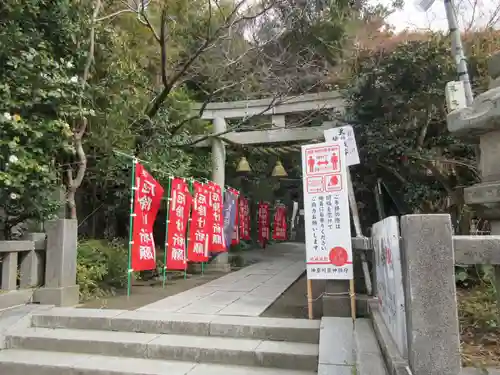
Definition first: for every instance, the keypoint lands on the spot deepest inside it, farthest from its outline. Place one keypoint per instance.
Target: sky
(435, 18)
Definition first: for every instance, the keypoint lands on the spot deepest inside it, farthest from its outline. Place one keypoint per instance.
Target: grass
(479, 326)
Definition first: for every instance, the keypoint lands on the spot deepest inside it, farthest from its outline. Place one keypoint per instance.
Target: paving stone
(201, 308)
(336, 341)
(336, 370)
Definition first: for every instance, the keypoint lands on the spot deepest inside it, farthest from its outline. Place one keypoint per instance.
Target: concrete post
(428, 264)
(221, 261)
(9, 271)
(60, 268)
(481, 122)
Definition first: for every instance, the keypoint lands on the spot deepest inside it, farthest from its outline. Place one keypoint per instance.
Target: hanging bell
(243, 165)
(279, 170)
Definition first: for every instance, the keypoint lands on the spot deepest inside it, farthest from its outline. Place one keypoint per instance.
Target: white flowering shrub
(39, 99)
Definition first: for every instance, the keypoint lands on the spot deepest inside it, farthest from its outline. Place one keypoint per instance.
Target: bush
(101, 267)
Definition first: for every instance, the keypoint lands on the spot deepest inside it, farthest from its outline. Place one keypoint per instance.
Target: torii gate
(219, 112)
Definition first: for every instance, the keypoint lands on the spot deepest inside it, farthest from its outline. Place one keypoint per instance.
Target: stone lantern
(481, 123)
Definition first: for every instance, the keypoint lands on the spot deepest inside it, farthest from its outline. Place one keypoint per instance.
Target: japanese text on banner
(200, 225)
(244, 214)
(279, 227)
(327, 225)
(217, 241)
(263, 221)
(147, 200)
(179, 209)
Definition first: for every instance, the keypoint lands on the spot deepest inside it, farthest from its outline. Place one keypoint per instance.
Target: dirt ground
(292, 303)
(144, 293)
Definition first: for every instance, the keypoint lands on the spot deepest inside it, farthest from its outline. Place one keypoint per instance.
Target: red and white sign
(147, 200)
(178, 214)
(279, 230)
(326, 212)
(200, 224)
(244, 218)
(263, 221)
(216, 242)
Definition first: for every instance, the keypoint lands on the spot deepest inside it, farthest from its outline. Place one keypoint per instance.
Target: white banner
(344, 134)
(326, 206)
(385, 238)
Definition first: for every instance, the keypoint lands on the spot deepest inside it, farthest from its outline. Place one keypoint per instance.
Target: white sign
(326, 208)
(385, 237)
(346, 135)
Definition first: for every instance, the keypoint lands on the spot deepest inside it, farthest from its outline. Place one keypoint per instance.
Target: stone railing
(429, 252)
(41, 267)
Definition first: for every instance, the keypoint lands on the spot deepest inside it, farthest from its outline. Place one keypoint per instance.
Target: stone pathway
(248, 292)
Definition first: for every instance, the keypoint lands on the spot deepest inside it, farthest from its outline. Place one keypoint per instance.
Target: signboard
(344, 134)
(326, 208)
(385, 237)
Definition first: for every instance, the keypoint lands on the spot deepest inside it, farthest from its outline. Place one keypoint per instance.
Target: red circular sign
(338, 256)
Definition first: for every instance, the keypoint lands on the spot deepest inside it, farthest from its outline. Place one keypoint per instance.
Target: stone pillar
(481, 124)
(9, 271)
(428, 265)
(218, 153)
(60, 265)
(221, 261)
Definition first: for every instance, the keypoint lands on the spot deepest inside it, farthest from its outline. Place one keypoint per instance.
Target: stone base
(15, 298)
(217, 267)
(341, 306)
(64, 296)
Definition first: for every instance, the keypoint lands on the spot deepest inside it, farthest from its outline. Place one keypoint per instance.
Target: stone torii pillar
(482, 121)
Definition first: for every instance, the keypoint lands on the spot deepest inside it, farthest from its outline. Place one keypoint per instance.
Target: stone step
(273, 329)
(369, 359)
(22, 362)
(223, 350)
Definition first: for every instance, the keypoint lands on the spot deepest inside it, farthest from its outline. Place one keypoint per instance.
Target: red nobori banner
(244, 218)
(147, 200)
(178, 214)
(279, 227)
(200, 224)
(236, 233)
(216, 242)
(263, 221)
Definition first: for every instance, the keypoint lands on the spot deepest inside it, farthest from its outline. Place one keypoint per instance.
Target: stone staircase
(67, 341)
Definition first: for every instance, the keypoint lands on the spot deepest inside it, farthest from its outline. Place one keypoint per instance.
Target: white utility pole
(456, 44)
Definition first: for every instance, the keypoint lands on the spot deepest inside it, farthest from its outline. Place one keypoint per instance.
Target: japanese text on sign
(328, 230)
(385, 239)
(344, 134)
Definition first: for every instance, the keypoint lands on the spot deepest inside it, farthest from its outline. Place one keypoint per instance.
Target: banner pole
(169, 199)
(131, 225)
(357, 227)
(190, 187)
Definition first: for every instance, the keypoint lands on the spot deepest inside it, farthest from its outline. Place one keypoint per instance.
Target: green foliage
(397, 103)
(39, 93)
(101, 267)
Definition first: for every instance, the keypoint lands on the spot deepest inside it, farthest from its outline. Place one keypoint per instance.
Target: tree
(38, 98)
